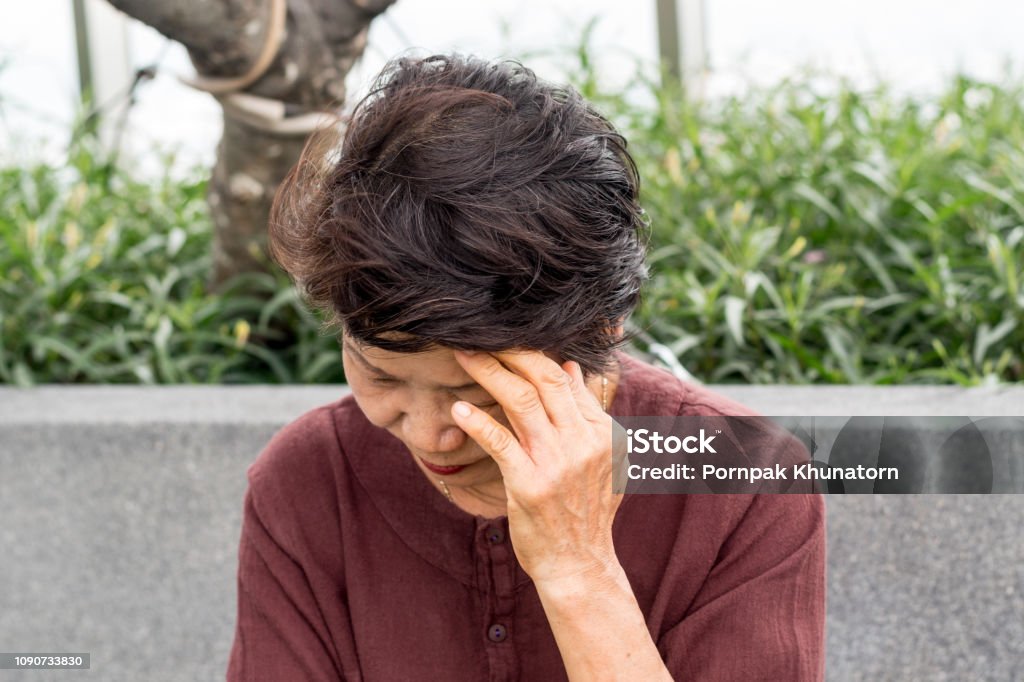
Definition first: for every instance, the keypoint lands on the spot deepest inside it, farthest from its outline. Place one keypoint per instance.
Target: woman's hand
(556, 464)
(557, 467)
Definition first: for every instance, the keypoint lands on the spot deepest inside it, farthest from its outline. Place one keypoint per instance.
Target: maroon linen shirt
(352, 566)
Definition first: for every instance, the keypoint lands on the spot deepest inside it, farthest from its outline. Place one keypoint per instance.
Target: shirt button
(497, 633)
(495, 535)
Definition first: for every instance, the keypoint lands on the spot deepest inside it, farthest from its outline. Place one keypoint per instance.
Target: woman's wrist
(599, 628)
(570, 585)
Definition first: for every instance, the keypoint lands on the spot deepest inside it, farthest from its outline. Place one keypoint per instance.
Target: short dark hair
(471, 205)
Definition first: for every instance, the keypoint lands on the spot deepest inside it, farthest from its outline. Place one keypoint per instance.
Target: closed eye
(389, 381)
(484, 404)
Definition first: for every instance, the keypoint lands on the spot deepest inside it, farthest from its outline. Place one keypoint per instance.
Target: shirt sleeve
(280, 632)
(760, 614)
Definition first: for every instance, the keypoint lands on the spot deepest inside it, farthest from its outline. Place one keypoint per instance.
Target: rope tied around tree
(264, 113)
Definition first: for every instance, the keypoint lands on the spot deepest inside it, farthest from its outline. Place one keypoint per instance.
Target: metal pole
(104, 66)
(682, 46)
(668, 38)
(82, 48)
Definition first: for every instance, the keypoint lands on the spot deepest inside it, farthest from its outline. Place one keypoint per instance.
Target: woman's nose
(430, 431)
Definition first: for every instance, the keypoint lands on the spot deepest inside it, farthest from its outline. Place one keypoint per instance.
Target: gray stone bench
(121, 512)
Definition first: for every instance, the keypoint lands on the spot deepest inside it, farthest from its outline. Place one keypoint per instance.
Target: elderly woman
(479, 243)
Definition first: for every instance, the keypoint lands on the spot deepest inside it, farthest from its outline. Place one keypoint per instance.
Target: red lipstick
(443, 471)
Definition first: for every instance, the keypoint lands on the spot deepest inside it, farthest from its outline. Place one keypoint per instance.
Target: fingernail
(468, 352)
(462, 409)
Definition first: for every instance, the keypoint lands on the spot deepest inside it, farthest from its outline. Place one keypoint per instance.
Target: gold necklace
(447, 493)
(604, 406)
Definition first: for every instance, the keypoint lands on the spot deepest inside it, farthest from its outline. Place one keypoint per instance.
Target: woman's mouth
(443, 471)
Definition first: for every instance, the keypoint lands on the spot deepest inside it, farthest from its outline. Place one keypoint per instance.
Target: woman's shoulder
(646, 390)
(307, 451)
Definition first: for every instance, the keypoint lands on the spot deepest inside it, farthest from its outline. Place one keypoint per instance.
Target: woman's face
(411, 395)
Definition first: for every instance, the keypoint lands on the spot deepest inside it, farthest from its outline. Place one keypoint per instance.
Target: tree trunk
(323, 39)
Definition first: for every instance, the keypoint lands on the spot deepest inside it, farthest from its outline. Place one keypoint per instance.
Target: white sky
(912, 43)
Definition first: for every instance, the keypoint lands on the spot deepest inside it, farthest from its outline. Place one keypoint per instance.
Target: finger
(578, 386)
(552, 382)
(494, 438)
(588, 403)
(517, 396)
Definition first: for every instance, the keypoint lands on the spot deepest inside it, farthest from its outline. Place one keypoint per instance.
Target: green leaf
(734, 309)
(988, 337)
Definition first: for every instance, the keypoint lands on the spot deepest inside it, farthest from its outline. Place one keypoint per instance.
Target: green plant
(810, 234)
(803, 233)
(103, 282)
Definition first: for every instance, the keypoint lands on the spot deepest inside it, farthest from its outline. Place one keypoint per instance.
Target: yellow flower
(797, 247)
(72, 236)
(103, 235)
(740, 214)
(242, 330)
(674, 166)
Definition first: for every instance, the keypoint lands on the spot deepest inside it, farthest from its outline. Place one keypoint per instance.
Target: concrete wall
(121, 511)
